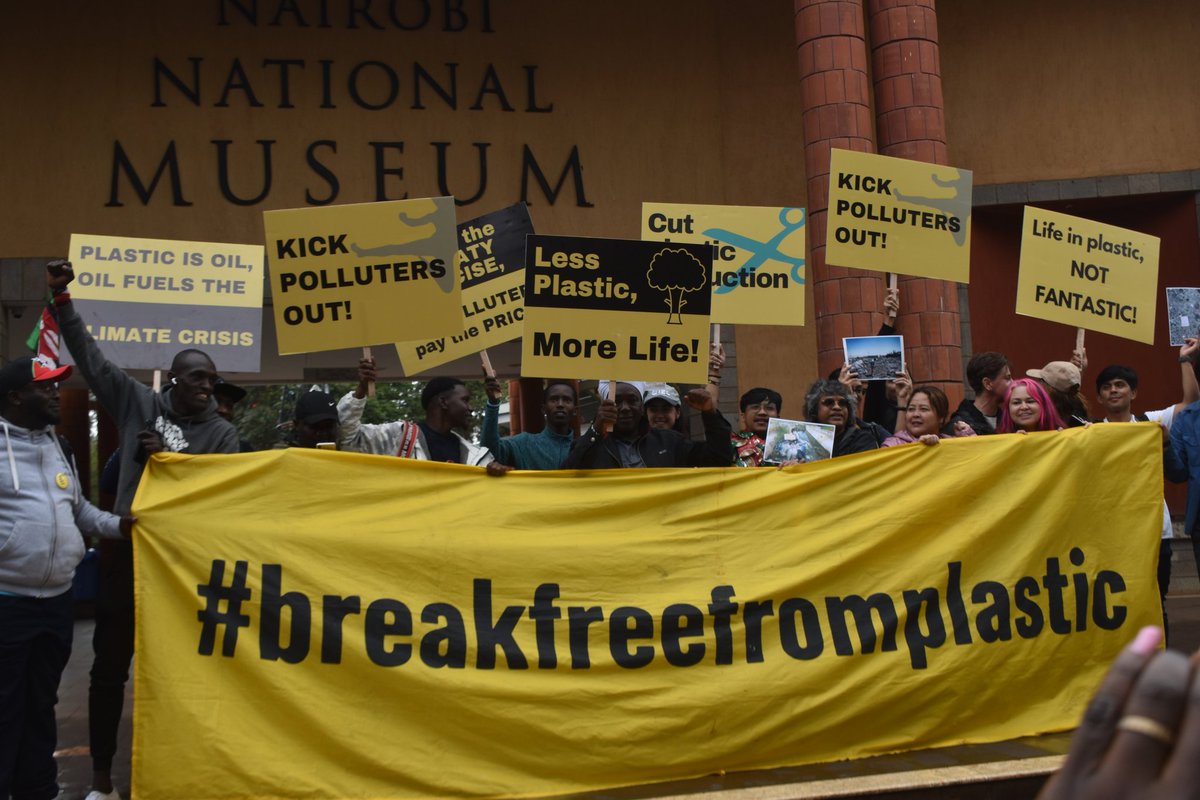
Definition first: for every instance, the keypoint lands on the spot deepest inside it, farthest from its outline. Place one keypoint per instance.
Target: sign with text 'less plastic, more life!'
(363, 274)
(491, 261)
(1088, 274)
(895, 215)
(621, 309)
(758, 256)
(144, 300)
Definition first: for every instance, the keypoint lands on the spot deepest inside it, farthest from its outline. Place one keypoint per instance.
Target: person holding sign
(1028, 408)
(832, 402)
(447, 405)
(43, 517)
(633, 443)
(546, 449)
(758, 406)
(181, 419)
(927, 412)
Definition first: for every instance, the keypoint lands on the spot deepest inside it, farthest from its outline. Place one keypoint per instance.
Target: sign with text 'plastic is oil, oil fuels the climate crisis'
(758, 256)
(1088, 274)
(616, 308)
(895, 215)
(144, 300)
(363, 274)
(491, 272)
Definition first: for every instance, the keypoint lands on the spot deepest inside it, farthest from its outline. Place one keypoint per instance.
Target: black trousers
(35, 644)
(113, 648)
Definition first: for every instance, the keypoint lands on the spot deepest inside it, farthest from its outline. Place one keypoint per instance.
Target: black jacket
(968, 413)
(658, 448)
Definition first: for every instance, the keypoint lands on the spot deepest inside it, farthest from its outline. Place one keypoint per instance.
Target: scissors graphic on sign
(761, 252)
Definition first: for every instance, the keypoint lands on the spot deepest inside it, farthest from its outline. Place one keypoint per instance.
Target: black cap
(314, 407)
(234, 392)
(20, 372)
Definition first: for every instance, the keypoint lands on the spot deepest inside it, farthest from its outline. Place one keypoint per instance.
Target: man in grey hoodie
(42, 515)
(182, 419)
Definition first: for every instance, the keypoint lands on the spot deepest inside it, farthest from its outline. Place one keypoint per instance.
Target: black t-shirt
(442, 446)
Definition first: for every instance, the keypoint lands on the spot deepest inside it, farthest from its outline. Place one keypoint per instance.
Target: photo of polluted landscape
(875, 358)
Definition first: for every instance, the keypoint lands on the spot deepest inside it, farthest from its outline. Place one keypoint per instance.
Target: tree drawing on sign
(676, 272)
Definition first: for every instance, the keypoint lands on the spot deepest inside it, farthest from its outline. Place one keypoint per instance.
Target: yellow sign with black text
(896, 215)
(144, 300)
(758, 256)
(491, 261)
(1088, 274)
(555, 633)
(621, 309)
(363, 274)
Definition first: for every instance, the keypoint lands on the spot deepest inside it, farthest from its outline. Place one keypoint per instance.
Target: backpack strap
(408, 441)
(1141, 417)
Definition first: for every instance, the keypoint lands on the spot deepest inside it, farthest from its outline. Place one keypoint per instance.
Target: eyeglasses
(834, 402)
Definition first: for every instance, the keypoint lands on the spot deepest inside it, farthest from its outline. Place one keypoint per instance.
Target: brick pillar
(911, 124)
(835, 94)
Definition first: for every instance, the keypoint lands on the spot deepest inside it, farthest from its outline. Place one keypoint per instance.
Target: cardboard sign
(144, 300)
(616, 308)
(491, 272)
(758, 256)
(895, 215)
(1088, 274)
(363, 274)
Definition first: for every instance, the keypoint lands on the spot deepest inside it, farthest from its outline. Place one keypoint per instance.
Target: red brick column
(836, 97)
(910, 124)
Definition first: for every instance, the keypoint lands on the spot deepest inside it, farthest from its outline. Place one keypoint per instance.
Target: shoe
(97, 795)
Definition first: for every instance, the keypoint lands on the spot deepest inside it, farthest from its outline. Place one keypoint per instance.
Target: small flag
(44, 338)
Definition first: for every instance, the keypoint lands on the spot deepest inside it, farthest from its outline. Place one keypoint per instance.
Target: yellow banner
(310, 624)
(758, 261)
(620, 309)
(491, 272)
(1088, 274)
(895, 215)
(363, 274)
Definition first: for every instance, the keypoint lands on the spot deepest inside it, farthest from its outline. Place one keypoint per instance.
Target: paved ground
(1183, 611)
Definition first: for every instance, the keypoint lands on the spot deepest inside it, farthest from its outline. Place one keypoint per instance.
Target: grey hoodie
(42, 514)
(136, 407)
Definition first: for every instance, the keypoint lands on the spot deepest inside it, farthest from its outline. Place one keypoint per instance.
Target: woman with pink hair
(1028, 407)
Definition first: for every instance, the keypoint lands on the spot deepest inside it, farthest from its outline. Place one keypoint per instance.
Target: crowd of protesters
(635, 425)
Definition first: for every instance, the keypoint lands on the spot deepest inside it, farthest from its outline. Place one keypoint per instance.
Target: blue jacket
(1181, 461)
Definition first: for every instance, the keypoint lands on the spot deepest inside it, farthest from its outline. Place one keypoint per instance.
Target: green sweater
(544, 450)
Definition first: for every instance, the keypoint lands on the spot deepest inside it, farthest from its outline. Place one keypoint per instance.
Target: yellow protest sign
(895, 215)
(616, 308)
(363, 274)
(1088, 274)
(758, 257)
(144, 300)
(561, 632)
(491, 261)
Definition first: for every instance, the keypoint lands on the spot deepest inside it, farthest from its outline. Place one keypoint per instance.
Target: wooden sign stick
(370, 384)
(487, 364)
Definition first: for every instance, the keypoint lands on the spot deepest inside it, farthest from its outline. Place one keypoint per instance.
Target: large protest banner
(558, 632)
(895, 215)
(622, 309)
(144, 300)
(363, 273)
(491, 272)
(758, 256)
(1088, 274)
